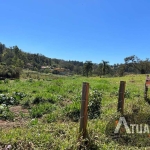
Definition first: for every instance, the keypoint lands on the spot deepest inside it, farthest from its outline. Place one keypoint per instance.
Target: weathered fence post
(121, 97)
(145, 92)
(83, 112)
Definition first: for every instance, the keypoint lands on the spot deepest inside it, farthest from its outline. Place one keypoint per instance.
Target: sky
(81, 30)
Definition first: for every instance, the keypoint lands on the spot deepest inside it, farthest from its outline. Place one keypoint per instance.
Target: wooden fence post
(83, 112)
(145, 92)
(121, 97)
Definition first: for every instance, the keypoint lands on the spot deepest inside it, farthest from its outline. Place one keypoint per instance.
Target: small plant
(50, 117)
(5, 99)
(5, 113)
(33, 122)
(94, 107)
(12, 100)
(19, 95)
(127, 94)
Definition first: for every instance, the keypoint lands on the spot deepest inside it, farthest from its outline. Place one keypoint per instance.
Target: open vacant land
(44, 113)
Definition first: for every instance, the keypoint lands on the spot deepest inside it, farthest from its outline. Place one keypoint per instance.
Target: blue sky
(80, 30)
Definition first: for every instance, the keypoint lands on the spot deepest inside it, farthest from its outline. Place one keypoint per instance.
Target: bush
(94, 107)
(127, 94)
(12, 100)
(4, 99)
(9, 71)
(5, 113)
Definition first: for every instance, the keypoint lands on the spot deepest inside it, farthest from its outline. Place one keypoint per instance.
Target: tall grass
(55, 103)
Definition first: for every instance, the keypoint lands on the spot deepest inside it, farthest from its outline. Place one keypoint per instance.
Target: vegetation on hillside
(13, 60)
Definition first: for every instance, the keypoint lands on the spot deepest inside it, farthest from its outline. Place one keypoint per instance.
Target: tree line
(13, 60)
(131, 65)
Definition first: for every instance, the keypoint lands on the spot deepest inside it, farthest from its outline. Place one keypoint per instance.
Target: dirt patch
(65, 102)
(8, 124)
(18, 109)
(18, 121)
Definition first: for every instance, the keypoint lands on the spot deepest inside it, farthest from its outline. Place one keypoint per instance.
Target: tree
(100, 68)
(78, 70)
(14, 56)
(16, 50)
(2, 47)
(105, 66)
(87, 68)
(121, 69)
(143, 66)
(10, 71)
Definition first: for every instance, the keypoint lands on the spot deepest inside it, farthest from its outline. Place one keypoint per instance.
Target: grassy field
(43, 114)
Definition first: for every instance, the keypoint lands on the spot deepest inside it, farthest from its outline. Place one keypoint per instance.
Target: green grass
(54, 107)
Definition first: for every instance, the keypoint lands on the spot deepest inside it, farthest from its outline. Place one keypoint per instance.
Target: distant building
(45, 67)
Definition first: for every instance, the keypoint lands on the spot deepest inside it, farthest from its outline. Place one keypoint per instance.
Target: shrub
(19, 95)
(12, 100)
(5, 113)
(94, 107)
(127, 94)
(5, 99)
(34, 122)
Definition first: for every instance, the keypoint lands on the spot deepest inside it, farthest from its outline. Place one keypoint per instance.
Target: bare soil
(18, 121)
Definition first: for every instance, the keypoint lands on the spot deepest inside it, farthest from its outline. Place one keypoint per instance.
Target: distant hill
(13, 56)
